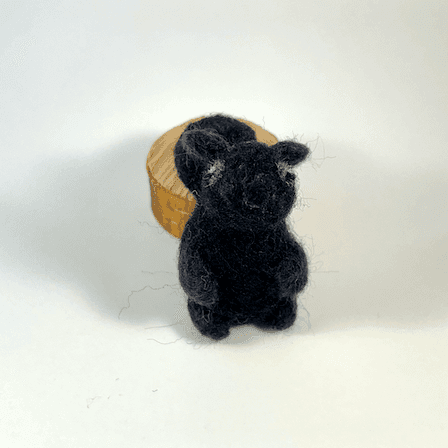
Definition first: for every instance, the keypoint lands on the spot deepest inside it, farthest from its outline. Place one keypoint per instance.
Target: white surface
(86, 274)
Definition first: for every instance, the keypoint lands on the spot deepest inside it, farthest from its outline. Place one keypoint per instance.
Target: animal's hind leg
(209, 322)
(280, 316)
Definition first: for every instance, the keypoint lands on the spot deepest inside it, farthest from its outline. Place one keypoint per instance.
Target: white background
(86, 273)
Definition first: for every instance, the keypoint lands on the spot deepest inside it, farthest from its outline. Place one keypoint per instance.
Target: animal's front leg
(196, 280)
(292, 273)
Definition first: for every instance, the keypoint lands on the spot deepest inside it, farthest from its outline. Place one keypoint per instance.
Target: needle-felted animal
(238, 262)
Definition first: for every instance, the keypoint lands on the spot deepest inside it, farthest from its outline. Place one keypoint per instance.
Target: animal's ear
(290, 153)
(194, 152)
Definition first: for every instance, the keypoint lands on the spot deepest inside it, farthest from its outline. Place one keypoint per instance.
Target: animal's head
(245, 183)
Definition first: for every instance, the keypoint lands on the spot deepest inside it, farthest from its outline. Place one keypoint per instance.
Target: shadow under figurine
(238, 262)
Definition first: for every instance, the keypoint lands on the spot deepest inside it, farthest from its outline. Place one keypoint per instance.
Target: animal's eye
(214, 172)
(283, 169)
(290, 179)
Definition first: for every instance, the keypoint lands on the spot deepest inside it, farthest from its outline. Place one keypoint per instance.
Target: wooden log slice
(171, 202)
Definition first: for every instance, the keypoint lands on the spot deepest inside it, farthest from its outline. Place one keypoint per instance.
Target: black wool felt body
(238, 262)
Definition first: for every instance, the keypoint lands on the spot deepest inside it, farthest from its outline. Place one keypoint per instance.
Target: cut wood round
(171, 202)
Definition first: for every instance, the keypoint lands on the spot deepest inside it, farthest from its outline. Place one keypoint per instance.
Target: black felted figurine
(238, 262)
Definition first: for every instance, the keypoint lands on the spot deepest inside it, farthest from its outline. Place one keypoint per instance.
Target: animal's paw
(292, 274)
(208, 322)
(196, 281)
(279, 317)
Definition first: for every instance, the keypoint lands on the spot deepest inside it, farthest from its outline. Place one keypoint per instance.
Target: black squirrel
(238, 262)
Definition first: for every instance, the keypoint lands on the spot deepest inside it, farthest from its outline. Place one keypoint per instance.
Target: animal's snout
(257, 196)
